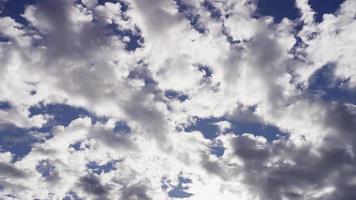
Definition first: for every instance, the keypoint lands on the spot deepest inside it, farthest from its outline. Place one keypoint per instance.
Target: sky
(178, 99)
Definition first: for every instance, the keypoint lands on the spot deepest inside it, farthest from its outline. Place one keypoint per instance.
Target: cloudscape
(178, 99)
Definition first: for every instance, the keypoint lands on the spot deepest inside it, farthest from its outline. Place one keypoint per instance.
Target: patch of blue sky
(210, 130)
(175, 95)
(80, 146)
(15, 9)
(217, 149)
(17, 141)
(124, 6)
(297, 49)
(122, 127)
(270, 132)
(206, 126)
(45, 168)
(324, 85)
(4, 39)
(102, 2)
(72, 196)
(215, 12)
(229, 37)
(141, 72)
(77, 146)
(179, 190)
(192, 15)
(278, 9)
(135, 40)
(62, 114)
(208, 72)
(5, 105)
(105, 168)
(33, 92)
(322, 7)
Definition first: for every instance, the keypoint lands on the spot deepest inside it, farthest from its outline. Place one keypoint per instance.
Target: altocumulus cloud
(170, 99)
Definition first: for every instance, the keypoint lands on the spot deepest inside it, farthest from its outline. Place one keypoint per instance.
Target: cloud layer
(165, 99)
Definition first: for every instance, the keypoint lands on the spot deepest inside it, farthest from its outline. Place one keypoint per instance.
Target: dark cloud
(148, 116)
(266, 55)
(112, 139)
(11, 171)
(63, 40)
(213, 167)
(342, 118)
(283, 170)
(266, 52)
(91, 184)
(134, 192)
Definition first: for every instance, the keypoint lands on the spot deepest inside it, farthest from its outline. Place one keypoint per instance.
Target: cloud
(8, 170)
(91, 185)
(134, 192)
(167, 99)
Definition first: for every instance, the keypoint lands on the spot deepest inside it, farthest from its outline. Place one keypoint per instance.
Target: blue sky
(177, 99)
